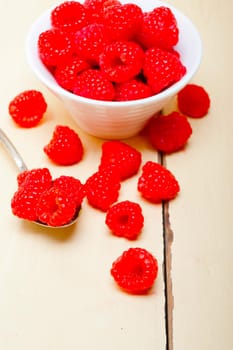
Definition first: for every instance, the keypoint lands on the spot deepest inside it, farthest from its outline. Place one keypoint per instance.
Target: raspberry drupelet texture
(95, 9)
(133, 89)
(65, 146)
(193, 101)
(125, 219)
(135, 271)
(169, 133)
(121, 61)
(28, 108)
(72, 186)
(156, 183)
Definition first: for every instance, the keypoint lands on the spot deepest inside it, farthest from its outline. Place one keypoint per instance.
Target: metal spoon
(8, 145)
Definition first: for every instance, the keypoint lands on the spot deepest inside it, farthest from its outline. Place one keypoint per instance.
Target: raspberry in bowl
(115, 68)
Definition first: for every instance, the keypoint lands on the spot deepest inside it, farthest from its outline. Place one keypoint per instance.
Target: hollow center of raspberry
(137, 270)
(123, 219)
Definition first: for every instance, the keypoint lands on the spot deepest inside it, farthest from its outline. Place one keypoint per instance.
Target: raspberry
(95, 9)
(162, 68)
(120, 156)
(133, 89)
(24, 203)
(93, 84)
(27, 108)
(121, 60)
(37, 180)
(55, 208)
(65, 146)
(66, 73)
(194, 101)
(125, 219)
(102, 189)
(156, 183)
(72, 186)
(123, 21)
(90, 42)
(135, 271)
(69, 16)
(159, 29)
(54, 47)
(169, 133)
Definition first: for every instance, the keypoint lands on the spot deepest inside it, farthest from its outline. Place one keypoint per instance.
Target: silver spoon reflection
(8, 145)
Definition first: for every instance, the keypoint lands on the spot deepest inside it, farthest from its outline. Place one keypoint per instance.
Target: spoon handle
(6, 142)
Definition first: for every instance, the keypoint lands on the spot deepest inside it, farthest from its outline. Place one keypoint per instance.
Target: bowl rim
(41, 71)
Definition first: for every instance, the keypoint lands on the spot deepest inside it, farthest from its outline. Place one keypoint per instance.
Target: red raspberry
(24, 203)
(123, 21)
(93, 84)
(66, 73)
(69, 16)
(65, 146)
(54, 47)
(133, 89)
(55, 208)
(162, 69)
(121, 60)
(102, 189)
(27, 108)
(72, 186)
(125, 219)
(135, 271)
(159, 29)
(194, 101)
(90, 42)
(169, 133)
(95, 9)
(119, 156)
(37, 180)
(156, 183)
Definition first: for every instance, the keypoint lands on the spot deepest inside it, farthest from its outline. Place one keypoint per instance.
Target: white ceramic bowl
(118, 120)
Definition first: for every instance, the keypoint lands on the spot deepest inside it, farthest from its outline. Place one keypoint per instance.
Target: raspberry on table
(121, 157)
(93, 84)
(132, 89)
(69, 16)
(159, 29)
(72, 186)
(54, 47)
(102, 189)
(123, 21)
(162, 68)
(121, 60)
(95, 9)
(135, 271)
(65, 146)
(194, 101)
(66, 73)
(156, 183)
(28, 108)
(169, 133)
(125, 219)
(55, 208)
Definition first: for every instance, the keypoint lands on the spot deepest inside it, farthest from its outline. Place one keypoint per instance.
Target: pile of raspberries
(105, 50)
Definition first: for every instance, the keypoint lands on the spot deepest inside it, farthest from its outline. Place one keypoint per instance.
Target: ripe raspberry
(156, 183)
(95, 9)
(37, 180)
(159, 29)
(66, 73)
(27, 108)
(90, 42)
(194, 101)
(169, 133)
(69, 16)
(121, 60)
(72, 186)
(55, 208)
(125, 219)
(102, 189)
(121, 157)
(54, 47)
(123, 21)
(162, 68)
(133, 89)
(135, 271)
(93, 84)
(24, 203)
(65, 146)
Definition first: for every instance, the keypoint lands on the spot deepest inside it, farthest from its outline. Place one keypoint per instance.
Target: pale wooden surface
(55, 289)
